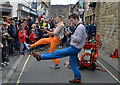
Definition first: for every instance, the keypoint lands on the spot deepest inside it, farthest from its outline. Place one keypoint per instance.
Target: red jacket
(22, 38)
(32, 38)
(39, 18)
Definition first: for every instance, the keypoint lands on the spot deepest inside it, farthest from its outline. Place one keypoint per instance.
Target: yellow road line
(109, 72)
(18, 81)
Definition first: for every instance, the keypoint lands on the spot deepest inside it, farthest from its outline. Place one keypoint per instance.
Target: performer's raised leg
(70, 51)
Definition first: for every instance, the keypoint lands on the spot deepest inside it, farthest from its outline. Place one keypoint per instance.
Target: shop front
(5, 10)
(33, 14)
(23, 11)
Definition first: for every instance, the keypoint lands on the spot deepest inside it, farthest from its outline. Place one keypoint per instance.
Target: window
(90, 18)
(93, 17)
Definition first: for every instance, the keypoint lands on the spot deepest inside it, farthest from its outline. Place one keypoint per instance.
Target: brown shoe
(75, 80)
(36, 56)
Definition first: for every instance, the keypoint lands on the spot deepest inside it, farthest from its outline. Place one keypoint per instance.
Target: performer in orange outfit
(54, 41)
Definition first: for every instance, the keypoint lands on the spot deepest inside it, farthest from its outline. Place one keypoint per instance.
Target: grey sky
(63, 2)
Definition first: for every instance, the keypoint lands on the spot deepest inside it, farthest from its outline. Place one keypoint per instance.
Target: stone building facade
(63, 10)
(104, 14)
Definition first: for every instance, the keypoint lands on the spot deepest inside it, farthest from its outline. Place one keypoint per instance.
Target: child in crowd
(32, 38)
(22, 34)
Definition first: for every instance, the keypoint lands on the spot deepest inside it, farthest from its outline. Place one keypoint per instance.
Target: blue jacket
(12, 31)
(92, 29)
(87, 28)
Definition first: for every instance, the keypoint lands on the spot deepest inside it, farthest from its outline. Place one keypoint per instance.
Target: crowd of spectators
(16, 31)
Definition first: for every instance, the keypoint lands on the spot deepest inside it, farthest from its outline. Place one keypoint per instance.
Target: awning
(23, 8)
(33, 12)
(5, 16)
(5, 10)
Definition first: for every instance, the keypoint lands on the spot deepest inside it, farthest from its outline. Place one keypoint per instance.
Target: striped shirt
(59, 31)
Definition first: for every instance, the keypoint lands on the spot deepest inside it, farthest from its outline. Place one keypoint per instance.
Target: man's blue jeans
(67, 43)
(12, 44)
(72, 52)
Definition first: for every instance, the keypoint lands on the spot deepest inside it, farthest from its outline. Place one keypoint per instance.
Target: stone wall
(119, 28)
(63, 10)
(106, 13)
(60, 10)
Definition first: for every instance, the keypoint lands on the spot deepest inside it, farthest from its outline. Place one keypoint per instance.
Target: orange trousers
(54, 43)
